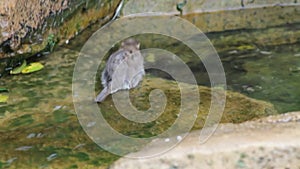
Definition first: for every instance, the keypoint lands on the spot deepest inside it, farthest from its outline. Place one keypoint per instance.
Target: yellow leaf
(18, 70)
(3, 98)
(33, 67)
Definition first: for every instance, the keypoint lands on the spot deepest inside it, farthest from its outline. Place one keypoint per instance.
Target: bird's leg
(137, 78)
(127, 84)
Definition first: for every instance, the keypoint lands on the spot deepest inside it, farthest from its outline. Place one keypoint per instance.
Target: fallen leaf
(32, 67)
(3, 98)
(19, 69)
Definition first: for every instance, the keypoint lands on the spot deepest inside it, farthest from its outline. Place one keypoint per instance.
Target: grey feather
(102, 95)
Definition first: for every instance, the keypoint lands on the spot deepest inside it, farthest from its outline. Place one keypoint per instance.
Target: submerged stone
(238, 108)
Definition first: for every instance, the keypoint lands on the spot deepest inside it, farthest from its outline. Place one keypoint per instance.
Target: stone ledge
(216, 15)
(263, 143)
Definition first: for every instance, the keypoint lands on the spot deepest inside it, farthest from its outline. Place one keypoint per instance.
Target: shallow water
(39, 127)
(271, 74)
(42, 117)
(273, 77)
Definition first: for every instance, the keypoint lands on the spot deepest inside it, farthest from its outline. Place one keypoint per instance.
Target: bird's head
(130, 44)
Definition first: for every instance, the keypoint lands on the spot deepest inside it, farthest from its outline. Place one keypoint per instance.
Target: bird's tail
(102, 95)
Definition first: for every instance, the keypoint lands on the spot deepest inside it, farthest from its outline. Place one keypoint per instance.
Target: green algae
(21, 121)
(60, 116)
(269, 77)
(81, 156)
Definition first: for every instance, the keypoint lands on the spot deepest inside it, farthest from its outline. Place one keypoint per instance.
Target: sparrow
(124, 69)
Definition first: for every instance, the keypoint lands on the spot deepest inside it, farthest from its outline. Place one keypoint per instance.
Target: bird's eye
(130, 51)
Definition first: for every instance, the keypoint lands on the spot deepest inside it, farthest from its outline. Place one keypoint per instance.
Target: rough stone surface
(271, 142)
(169, 6)
(27, 27)
(18, 16)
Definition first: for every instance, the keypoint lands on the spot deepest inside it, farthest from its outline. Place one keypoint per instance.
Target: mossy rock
(238, 108)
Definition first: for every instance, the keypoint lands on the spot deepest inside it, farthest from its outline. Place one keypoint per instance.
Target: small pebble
(9, 161)
(233, 52)
(46, 53)
(250, 89)
(8, 68)
(23, 148)
(297, 54)
(31, 135)
(57, 107)
(297, 69)
(179, 138)
(265, 52)
(51, 157)
(40, 135)
(67, 41)
(167, 140)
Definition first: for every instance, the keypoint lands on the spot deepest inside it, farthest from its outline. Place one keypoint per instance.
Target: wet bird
(124, 69)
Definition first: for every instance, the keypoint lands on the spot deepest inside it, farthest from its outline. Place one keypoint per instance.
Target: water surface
(43, 118)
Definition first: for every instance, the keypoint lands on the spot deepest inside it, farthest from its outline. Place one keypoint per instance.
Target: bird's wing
(115, 60)
(112, 64)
